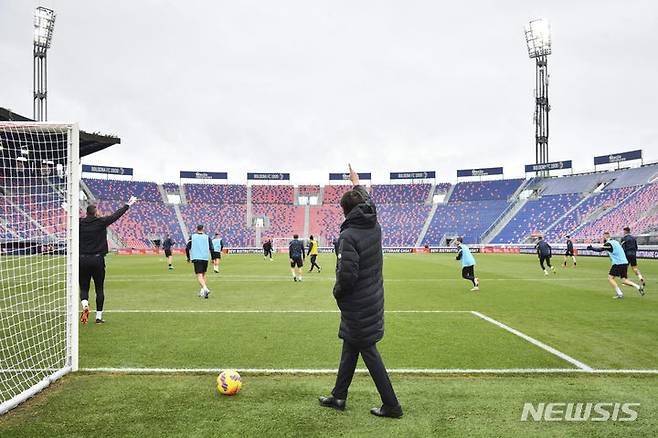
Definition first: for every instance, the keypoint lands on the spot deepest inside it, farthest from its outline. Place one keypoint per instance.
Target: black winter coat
(359, 289)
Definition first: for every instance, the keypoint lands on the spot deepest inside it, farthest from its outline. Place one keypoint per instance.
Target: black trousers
(375, 366)
(267, 252)
(543, 259)
(314, 257)
(468, 273)
(92, 267)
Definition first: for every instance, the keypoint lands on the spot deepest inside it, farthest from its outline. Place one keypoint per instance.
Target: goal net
(281, 244)
(39, 199)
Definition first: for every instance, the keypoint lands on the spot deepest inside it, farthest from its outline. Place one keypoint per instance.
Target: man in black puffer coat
(359, 293)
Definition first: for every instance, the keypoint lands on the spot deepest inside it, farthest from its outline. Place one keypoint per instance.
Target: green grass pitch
(257, 318)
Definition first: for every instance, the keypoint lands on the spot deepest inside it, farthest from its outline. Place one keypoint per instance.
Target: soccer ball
(229, 382)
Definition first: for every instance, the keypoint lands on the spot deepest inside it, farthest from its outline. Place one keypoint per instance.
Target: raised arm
(357, 187)
(109, 220)
(606, 247)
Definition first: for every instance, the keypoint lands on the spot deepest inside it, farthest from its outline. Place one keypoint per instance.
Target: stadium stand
(332, 194)
(572, 184)
(582, 205)
(123, 190)
(634, 177)
(468, 219)
(146, 221)
(536, 216)
(325, 222)
(308, 190)
(485, 190)
(442, 188)
(581, 213)
(400, 193)
(285, 220)
(638, 211)
(262, 194)
(401, 223)
(227, 220)
(37, 201)
(216, 193)
(170, 187)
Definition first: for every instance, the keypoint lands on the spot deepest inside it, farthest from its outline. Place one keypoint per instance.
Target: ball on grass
(229, 382)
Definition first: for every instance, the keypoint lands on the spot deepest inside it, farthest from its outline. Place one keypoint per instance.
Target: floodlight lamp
(44, 24)
(538, 38)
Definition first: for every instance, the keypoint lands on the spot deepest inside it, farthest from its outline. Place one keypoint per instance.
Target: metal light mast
(538, 38)
(44, 24)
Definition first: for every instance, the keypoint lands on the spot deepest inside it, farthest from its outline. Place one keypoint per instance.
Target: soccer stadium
(474, 296)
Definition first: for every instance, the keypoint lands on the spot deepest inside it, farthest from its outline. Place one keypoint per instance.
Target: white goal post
(39, 211)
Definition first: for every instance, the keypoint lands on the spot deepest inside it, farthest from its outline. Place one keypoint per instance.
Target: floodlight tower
(538, 38)
(44, 24)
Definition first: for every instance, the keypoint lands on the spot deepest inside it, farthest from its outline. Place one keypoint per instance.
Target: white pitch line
(270, 311)
(534, 341)
(332, 371)
(625, 371)
(229, 278)
(413, 371)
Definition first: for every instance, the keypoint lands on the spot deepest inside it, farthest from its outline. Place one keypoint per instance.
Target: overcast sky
(305, 86)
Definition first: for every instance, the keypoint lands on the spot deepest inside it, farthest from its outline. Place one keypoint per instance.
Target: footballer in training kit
(198, 251)
(267, 249)
(569, 252)
(544, 252)
(167, 243)
(619, 266)
(313, 253)
(297, 255)
(216, 252)
(468, 264)
(629, 244)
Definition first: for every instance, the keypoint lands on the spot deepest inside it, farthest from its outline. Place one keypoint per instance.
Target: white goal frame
(71, 204)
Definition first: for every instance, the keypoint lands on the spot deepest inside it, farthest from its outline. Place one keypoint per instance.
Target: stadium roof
(89, 143)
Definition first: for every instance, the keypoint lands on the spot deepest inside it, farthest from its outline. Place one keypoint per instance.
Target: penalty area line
(534, 341)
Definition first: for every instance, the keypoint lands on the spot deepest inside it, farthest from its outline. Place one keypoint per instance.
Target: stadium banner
(346, 176)
(643, 252)
(187, 174)
(427, 174)
(619, 157)
(268, 176)
(449, 249)
(108, 170)
(486, 171)
(555, 165)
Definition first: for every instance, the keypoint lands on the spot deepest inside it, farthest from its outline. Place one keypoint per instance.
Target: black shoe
(387, 411)
(332, 402)
(100, 321)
